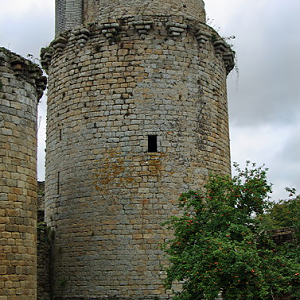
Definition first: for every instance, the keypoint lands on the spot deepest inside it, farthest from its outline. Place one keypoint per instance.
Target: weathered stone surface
(72, 13)
(21, 86)
(137, 114)
(43, 262)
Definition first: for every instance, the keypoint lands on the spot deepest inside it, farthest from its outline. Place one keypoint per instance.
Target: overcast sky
(263, 93)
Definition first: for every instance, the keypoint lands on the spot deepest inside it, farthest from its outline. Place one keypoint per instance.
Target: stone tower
(21, 86)
(137, 114)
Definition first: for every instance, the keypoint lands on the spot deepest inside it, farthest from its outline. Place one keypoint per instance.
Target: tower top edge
(71, 13)
(25, 68)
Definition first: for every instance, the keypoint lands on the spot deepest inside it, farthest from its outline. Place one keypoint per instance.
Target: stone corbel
(110, 29)
(59, 44)
(46, 57)
(17, 65)
(81, 35)
(30, 71)
(222, 48)
(202, 37)
(143, 26)
(175, 28)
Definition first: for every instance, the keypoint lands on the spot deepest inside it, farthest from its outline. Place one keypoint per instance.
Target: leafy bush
(222, 245)
(285, 213)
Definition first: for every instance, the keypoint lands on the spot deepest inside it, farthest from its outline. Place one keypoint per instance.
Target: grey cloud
(268, 50)
(27, 33)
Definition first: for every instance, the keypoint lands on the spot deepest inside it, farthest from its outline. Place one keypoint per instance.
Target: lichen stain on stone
(155, 164)
(115, 169)
(110, 170)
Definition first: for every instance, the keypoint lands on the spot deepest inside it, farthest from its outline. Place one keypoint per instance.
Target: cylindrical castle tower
(137, 114)
(21, 86)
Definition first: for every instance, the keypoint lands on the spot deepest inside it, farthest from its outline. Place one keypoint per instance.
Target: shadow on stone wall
(44, 242)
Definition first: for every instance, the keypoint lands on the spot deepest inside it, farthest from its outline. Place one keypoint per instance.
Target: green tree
(221, 244)
(285, 213)
(285, 216)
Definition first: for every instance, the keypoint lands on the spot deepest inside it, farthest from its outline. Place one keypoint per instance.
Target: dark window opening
(152, 143)
(58, 183)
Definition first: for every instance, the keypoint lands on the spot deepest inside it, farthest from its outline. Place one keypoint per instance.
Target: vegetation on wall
(222, 243)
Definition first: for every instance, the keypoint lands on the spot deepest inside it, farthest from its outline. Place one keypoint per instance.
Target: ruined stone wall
(115, 88)
(21, 86)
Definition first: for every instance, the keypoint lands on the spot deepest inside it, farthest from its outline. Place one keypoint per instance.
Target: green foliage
(62, 282)
(45, 233)
(285, 213)
(213, 38)
(221, 244)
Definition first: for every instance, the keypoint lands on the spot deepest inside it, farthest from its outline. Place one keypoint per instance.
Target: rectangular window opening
(152, 143)
(58, 183)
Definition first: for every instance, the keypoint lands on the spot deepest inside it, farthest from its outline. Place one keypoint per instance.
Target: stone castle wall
(95, 10)
(21, 86)
(137, 114)
(71, 13)
(44, 238)
(68, 14)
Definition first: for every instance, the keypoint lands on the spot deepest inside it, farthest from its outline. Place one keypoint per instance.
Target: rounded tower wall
(99, 10)
(68, 14)
(72, 13)
(21, 86)
(137, 114)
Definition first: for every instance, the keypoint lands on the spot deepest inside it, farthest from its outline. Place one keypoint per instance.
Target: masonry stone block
(21, 86)
(137, 114)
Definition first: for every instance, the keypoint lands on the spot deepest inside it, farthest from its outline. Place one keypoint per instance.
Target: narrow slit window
(152, 143)
(58, 183)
